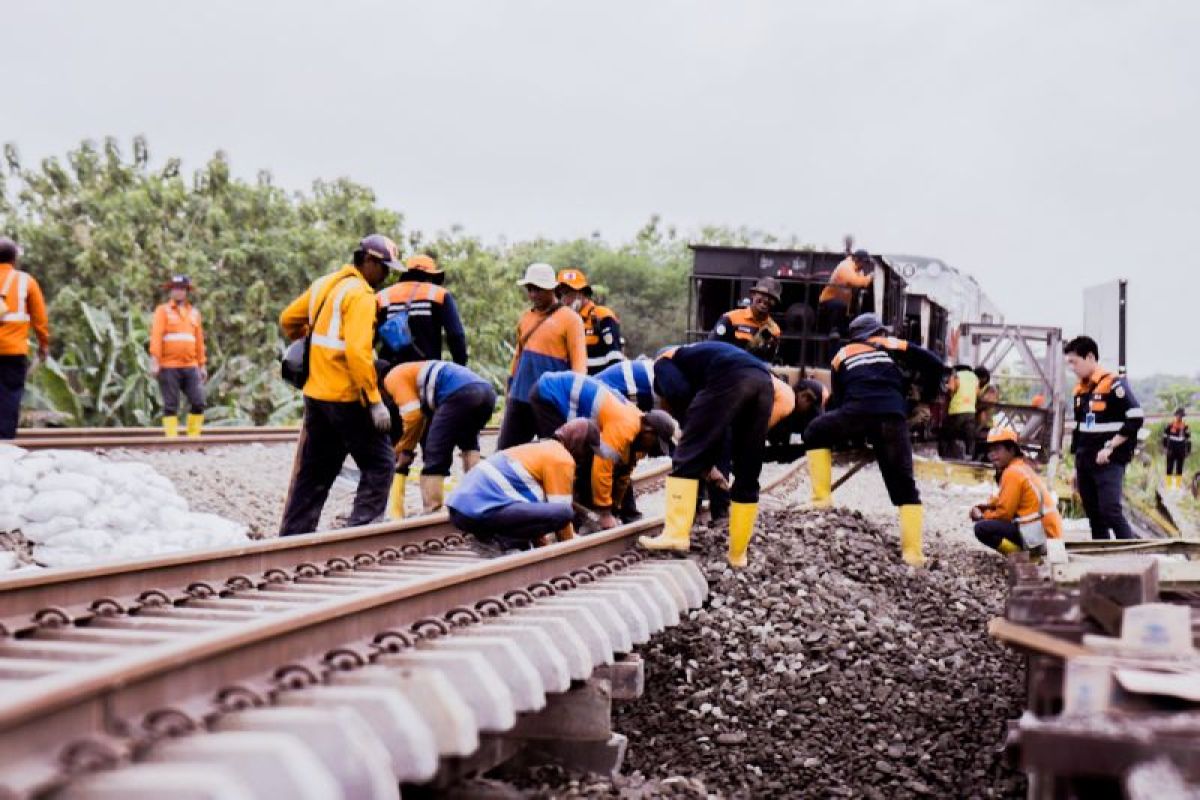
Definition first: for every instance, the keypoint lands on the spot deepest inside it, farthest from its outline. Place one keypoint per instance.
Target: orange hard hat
(999, 435)
(573, 278)
(423, 263)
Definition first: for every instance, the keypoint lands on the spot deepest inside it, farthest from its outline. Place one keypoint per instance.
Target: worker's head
(764, 297)
(539, 284)
(376, 256)
(9, 251)
(806, 400)
(658, 435)
(863, 260)
(573, 288)
(178, 287)
(1179, 413)
(985, 376)
(581, 437)
(422, 268)
(1083, 356)
(864, 326)
(1003, 446)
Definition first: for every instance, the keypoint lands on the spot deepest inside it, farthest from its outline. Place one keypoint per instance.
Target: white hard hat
(540, 275)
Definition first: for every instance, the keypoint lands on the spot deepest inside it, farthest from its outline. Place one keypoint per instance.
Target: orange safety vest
(177, 336)
(21, 305)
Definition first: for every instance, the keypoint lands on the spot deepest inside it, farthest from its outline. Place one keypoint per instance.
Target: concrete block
(619, 636)
(668, 606)
(512, 665)
(584, 623)
(642, 618)
(156, 781)
(626, 678)
(563, 636)
(684, 571)
(473, 677)
(582, 714)
(537, 646)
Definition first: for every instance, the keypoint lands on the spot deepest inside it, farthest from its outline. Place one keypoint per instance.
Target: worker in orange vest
(21, 305)
(833, 306)
(601, 327)
(1023, 513)
(751, 328)
(1177, 442)
(427, 310)
(177, 357)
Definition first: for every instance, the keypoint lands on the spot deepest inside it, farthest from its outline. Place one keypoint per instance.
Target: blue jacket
(634, 380)
(866, 378)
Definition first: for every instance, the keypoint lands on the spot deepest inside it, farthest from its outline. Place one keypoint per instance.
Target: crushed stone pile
(63, 508)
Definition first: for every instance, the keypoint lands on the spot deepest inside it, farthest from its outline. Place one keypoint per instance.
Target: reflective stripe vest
(601, 336)
(177, 336)
(1104, 407)
(419, 387)
(632, 378)
(866, 379)
(432, 310)
(542, 472)
(21, 306)
(739, 327)
(964, 392)
(1024, 498)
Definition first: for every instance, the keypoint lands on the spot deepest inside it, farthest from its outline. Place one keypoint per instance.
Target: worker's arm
(157, 326)
(1004, 507)
(576, 343)
(1122, 397)
(723, 331)
(602, 483)
(294, 318)
(456, 337)
(609, 331)
(201, 354)
(859, 280)
(35, 301)
(358, 326)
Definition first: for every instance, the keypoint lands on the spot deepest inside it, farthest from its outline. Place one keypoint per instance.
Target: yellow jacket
(341, 360)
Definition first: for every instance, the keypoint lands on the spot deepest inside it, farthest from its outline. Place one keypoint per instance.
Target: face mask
(577, 304)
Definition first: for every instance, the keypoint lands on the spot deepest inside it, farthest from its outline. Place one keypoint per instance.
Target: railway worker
(1107, 420)
(549, 339)
(1177, 443)
(177, 357)
(626, 435)
(21, 306)
(419, 303)
(343, 409)
(833, 306)
(782, 445)
(985, 409)
(1023, 513)
(957, 436)
(867, 401)
(442, 405)
(601, 327)
(731, 396)
(751, 328)
(521, 494)
(633, 379)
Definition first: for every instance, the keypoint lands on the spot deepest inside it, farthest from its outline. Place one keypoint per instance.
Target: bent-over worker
(1023, 513)
(177, 356)
(22, 306)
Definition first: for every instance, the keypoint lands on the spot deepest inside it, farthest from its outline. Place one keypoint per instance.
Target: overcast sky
(1042, 146)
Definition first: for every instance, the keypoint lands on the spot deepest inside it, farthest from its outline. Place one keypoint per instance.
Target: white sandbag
(44, 532)
(7, 469)
(14, 495)
(75, 460)
(86, 485)
(58, 503)
(218, 529)
(8, 560)
(135, 545)
(9, 520)
(10, 452)
(61, 556)
(89, 540)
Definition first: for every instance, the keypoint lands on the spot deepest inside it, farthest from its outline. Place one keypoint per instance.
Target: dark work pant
(957, 439)
(1100, 490)
(456, 422)
(1175, 458)
(993, 531)
(888, 436)
(833, 317)
(515, 525)
(519, 425)
(172, 380)
(12, 388)
(330, 432)
(736, 405)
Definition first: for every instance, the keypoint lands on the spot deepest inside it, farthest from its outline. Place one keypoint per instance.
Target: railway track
(440, 651)
(99, 438)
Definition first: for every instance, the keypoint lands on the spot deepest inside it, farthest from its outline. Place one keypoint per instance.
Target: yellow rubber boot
(680, 514)
(395, 509)
(741, 528)
(1008, 548)
(470, 458)
(171, 427)
(820, 473)
(432, 487)
(195, 422)
(912, 519)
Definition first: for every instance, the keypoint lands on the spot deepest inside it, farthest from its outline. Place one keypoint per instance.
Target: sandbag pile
(75, 508)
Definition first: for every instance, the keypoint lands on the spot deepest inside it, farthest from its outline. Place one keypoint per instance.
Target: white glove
(381, 418)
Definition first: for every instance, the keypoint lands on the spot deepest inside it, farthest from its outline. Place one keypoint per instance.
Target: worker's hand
(380, 417)
(203, 374)
(607, 520)
(976, 513)
(43, 353)
(153, 367)
(404, 459)
(718, 478)
(1104, 455)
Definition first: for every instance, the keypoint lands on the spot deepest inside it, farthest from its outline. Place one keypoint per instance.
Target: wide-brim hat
(540, 275)
(770, 287)
(665, 429)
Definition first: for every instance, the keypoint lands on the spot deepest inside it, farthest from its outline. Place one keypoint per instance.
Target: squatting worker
(751, 328)
(633, 379)
(833, 306)
(1107, 420)
(442, 406)
(177, 357)
(518, 495)
(430, 311)
(343, 410)
(601, 327)
(1177, 444)
(21, 306)
(731, 396)
(626, 435)
(957, 437)
(549, 339)
(1023, 513)
(867, 401)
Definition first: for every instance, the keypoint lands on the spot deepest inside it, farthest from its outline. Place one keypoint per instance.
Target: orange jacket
(21, 304)
(785, 402)
(556, 345)
(619, 422)
(1022, 496)
(845, 276)
(401, 384)
(177, 336)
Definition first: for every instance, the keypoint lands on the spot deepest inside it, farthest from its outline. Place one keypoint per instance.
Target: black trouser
(173, 379)
(519, 425)
(993, 531)
(833, 317)
(1100, 490)
(456, 422)
(1176, 455)
(331, 431)
(516, 525)
(957, 437)
(888, 436)
(736, 405)
(12, 388)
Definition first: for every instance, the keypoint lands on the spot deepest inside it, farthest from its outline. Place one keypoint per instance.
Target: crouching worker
(523, 493)
(442, 406)
(626, 434)
(1022, 514)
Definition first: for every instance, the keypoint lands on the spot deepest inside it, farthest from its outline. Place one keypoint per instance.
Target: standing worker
(957, 436)
(442, 406)
(633, 379)
(833, 306)
(1023, 513)
(601, 327)
(731, 401)
(867, 401)
(419, 303)
(549, 339)
(1107, 419)
(21, 304)
(343, 410)
(1177, 442)
(751, 328)
(177, 357)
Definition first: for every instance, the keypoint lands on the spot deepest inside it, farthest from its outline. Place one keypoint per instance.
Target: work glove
(380, 418)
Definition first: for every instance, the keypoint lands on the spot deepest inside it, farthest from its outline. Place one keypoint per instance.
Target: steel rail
(98, 438)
